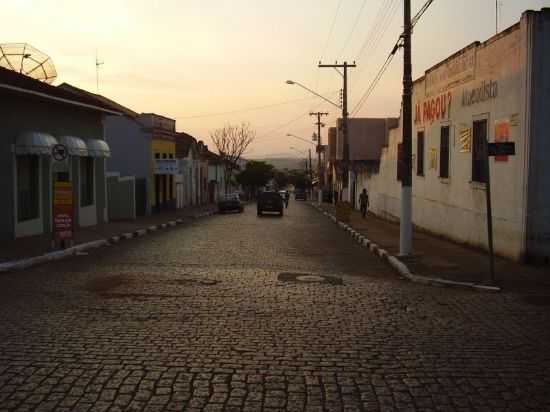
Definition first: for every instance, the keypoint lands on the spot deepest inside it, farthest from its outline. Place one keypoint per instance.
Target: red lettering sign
(436, 108)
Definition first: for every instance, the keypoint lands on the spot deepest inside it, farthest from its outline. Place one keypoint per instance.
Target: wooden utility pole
(344, 66)
(319, 124)
(405, 227)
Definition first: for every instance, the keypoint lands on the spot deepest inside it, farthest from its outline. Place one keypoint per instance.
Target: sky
(218, 62)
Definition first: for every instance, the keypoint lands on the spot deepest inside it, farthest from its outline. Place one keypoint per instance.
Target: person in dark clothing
(364, 202)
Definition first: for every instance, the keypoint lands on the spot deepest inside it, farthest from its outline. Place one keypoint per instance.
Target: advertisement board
(63, 211)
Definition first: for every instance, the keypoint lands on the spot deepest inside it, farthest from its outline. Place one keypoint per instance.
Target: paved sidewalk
(440, 258)
(27, 247)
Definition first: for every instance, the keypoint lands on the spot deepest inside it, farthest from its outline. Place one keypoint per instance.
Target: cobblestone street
(238, 312)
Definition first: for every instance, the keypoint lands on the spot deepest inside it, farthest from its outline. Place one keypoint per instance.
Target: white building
(499, 90)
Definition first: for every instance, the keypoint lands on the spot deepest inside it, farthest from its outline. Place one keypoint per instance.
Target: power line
(249, 109)
(419, 14)
(327, 41)
(386, 64)
(381, 17)
(331, 30)
(352, 29)
(375, 81)
(378, 35)
(294, 120)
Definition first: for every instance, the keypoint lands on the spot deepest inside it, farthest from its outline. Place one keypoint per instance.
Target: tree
(299, 178)
(232, 142)
(255, 175)
(281, 179)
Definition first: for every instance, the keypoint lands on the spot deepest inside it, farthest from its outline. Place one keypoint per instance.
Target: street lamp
(313, 92)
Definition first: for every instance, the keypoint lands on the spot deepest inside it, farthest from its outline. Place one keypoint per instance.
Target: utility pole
(405, 227)
(344, 66)
(319, 124)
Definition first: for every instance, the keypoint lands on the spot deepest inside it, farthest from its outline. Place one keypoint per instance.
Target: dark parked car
(230, 202)
(300, 194)
(270, 202)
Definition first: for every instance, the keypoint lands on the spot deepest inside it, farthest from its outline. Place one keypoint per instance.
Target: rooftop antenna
(97, 64)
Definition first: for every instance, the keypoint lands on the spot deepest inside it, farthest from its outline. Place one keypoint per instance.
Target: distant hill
(282, 163)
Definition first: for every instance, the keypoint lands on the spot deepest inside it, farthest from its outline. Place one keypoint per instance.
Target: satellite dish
(25, 59)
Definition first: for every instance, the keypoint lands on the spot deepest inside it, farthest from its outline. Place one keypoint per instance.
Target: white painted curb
(399, 266)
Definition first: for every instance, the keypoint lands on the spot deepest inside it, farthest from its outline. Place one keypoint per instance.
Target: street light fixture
(313, 92)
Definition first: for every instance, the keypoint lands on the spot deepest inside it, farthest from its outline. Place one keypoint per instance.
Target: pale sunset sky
(195, 61)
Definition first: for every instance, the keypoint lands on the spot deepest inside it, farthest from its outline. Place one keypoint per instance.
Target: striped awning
(75, 145)
(34, 143)
(98, 148)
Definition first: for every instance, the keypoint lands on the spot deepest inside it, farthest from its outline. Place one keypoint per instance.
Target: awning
(75, 145)
(98, 148)
(34, 143)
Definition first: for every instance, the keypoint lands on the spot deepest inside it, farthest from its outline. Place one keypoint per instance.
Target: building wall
(162, 147)
(130, 154)
(537, 34)
(456, 206)
(27, 114)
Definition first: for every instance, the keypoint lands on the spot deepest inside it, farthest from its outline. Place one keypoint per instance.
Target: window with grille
(28, 190)
(479, 138)
(86, 181)
(444, 152)
(420, 154)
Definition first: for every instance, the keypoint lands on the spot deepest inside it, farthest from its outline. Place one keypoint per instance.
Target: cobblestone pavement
(236, 312)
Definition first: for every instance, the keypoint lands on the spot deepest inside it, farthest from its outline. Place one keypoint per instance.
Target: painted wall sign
(436, 108)
(485, 91)
(452, 72)
(502, 134)
(63, 210)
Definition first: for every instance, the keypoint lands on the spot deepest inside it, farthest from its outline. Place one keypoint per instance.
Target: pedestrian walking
(364, 202)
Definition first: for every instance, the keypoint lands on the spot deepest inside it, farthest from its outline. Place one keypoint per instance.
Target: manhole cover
(309, 278)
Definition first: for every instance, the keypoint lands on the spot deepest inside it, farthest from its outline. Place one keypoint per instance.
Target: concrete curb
(397, 264)
(61, 254)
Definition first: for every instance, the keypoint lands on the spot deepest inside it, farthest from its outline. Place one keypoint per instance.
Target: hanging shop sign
(502, 149)
(502, 134)
(63, 210)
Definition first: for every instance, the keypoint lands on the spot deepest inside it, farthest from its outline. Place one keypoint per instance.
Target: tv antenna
(97, 64)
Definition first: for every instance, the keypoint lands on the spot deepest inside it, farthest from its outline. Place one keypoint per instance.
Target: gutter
(59, 99)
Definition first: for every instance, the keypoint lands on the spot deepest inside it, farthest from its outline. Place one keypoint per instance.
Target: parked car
(300, 194)
(230, 201)
(270, 202)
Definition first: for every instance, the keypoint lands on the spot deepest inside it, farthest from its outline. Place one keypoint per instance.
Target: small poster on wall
(465, 140)
(433, 158)
(502, 134)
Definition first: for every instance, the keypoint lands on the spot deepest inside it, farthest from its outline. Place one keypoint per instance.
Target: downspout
(526, 129)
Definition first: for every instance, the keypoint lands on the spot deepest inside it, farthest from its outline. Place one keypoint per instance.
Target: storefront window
(86, 181)
(28, 190)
